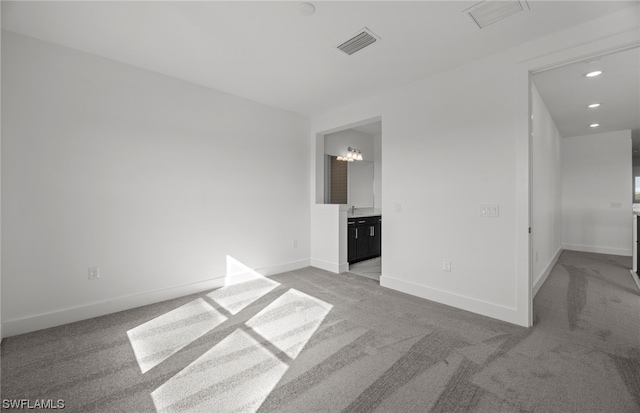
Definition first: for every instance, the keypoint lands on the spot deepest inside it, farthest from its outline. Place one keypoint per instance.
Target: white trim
(484, 308)
(635, 278)
(543, 277)
(344, 267)
(99, 308)
(325, 265)
(524, 174)
(599, 250)
(609, 44)
(103, 307)
(278, 269)
(330, 266)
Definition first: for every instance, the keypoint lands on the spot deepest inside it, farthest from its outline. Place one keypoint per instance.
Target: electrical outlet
(446, 266)
(294, 243)
(398, 208)
(489, 210)
(94, 273)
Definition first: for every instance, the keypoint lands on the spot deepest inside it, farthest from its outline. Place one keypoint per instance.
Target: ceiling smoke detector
(489, 12)
(362, 39)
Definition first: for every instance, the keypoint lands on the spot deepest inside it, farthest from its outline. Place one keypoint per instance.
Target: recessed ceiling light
(594, 125)
(594, 105)
(307, 9)
(594, 73)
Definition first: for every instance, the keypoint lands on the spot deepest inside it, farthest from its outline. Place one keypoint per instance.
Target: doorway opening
(349, 176)
(584, 132)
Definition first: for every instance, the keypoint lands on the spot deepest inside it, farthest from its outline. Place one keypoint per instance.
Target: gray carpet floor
(312, 341)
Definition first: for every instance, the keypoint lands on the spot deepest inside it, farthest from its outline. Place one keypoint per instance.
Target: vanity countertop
(364, 212)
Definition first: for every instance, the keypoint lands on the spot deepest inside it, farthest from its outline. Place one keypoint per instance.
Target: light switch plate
(489, 210)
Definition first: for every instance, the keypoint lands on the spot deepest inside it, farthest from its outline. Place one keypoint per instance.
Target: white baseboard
(325, 265)
(344, 267)
(278, 269)
(454, 300)
(599, 250)
(100, 308)
(635, 278)
(537, 284)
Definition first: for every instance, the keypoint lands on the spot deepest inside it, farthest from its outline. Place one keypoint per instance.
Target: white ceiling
(269, 52)
(567, 92)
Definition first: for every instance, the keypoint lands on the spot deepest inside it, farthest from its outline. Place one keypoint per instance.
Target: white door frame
(617, 43)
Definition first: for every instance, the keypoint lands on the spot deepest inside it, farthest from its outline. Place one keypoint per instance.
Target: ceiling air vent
(490, 12)
(361, 40)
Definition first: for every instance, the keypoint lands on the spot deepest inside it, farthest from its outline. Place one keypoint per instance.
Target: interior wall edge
(635, 278)
(539, 281)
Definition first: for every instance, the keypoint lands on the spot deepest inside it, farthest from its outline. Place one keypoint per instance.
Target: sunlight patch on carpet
(236, 297)
(236, 370)
(156, 340)
(290, 321)
(239, 372)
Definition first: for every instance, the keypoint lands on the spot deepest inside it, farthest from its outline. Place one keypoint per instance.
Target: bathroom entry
(352, 176)
(353, 182)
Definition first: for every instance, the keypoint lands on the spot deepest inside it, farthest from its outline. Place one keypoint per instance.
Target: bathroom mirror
(349, 183)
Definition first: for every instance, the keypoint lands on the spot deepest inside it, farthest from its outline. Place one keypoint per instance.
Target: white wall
(546, 212)
(152, 179)
(596, 176)
(452, 149)
(452, 142)
(329, 241)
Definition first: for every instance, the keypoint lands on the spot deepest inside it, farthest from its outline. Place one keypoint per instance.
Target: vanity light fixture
(594, 125)
(353, 154)
(594, 105)
(594, 73)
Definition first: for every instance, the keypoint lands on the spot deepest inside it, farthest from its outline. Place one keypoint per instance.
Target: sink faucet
(353, 209)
